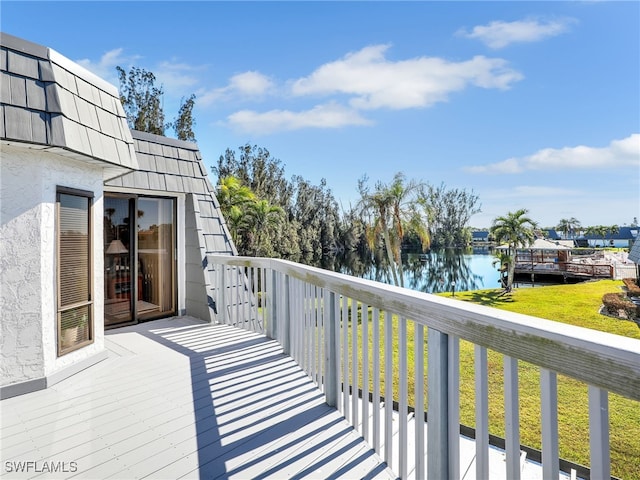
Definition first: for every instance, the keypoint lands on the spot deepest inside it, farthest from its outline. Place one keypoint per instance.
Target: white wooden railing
(310, 311)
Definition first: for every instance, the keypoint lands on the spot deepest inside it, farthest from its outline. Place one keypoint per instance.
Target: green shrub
(633, 290)
(616, 302)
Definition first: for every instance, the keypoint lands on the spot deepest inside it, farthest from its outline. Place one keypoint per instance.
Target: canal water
(443, 270)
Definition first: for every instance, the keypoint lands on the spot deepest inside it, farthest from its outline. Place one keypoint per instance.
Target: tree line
(270, 215)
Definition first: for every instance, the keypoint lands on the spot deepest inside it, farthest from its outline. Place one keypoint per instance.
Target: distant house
(101, 226)
(480, 236)
(624, 238)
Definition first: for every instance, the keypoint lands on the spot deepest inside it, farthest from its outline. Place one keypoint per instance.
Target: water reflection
(445, 270)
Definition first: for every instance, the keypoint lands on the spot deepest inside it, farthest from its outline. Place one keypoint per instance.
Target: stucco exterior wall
(28, 300)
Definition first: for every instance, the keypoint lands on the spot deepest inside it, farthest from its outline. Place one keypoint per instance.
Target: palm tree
(569, 226)
(515, 229)
(392, 209)
(264, 217)
(234, 199)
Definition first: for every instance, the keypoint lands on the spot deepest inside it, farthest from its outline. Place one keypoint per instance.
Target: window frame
(60, 309)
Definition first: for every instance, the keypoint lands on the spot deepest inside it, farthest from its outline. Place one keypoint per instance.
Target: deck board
(178, 398)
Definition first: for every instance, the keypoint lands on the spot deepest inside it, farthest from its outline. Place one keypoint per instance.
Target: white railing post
(285, 332)
(438, 408)
(272, 297)
(222, 289)
(549, 404)
(482, 411)
(512, 418)
(599, 433)
(331, 350)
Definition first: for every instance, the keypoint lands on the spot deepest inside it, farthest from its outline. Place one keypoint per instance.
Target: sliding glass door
(139, 258)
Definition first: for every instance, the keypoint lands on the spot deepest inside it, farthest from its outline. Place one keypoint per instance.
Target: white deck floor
(178, 398)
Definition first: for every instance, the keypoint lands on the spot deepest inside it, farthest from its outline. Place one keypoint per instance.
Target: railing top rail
(598, 358)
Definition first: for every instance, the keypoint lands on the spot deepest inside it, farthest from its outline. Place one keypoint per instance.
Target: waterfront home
(250, 366)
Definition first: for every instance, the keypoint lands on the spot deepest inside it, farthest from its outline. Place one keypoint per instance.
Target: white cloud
(619, 153)
(376, 82)
(106, 67)
(250, 84)
(499, 34)
(176, 77)
(331, 115)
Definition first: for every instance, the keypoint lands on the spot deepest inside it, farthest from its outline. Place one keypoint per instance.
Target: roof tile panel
(106, 102)
(17, 123)
(155, 148)
(185, 168)
(36, 95)
(109, 148)
(87, 113)
(53, 99)
(145, 161)
(84, 90)
(5, 88)
(161, 164)
(18, 88)
(142, 146)
(67, 104)
(174, 183)
(64, 78)
(57, 130)
(22, 65)
(3, 59)
(39, 127)
(156, 181)
(46, 72)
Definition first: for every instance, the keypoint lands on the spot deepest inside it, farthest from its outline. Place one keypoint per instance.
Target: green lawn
(575, 304)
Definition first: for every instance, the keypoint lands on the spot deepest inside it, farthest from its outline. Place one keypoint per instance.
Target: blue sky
(529, 104)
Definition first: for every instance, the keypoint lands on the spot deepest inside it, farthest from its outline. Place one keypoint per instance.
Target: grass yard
(575, 304)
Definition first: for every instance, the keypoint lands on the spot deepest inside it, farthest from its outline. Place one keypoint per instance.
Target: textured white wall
(28, 180)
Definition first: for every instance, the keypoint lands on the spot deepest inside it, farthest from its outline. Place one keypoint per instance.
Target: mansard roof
(49, 102)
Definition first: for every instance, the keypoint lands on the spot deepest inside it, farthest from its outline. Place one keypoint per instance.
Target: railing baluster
(388, 389)
(376, 380)
(549, 401)
(309, 334)
(313, 334)
(482, 412)
(420, 471)
(346, 384)
(512, 418)
(453, 409)
(438, 387)
(403, 396)
(237, 321)
(365, 372)
(332, 349)
(354, 363)
(599, 432)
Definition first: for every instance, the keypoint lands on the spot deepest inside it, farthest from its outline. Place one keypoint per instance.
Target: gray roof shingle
(49, 100)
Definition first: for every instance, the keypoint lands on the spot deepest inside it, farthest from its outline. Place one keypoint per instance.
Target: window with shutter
(75, 299)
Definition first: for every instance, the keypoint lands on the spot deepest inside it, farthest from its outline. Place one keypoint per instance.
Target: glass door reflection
(156, 234)
(117, 261)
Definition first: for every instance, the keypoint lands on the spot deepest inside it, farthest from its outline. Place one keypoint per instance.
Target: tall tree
(569, 226)
(389, 210)
(264, 219)
(183, 124)
(449, 212)
(141, 100)
(515, 229)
